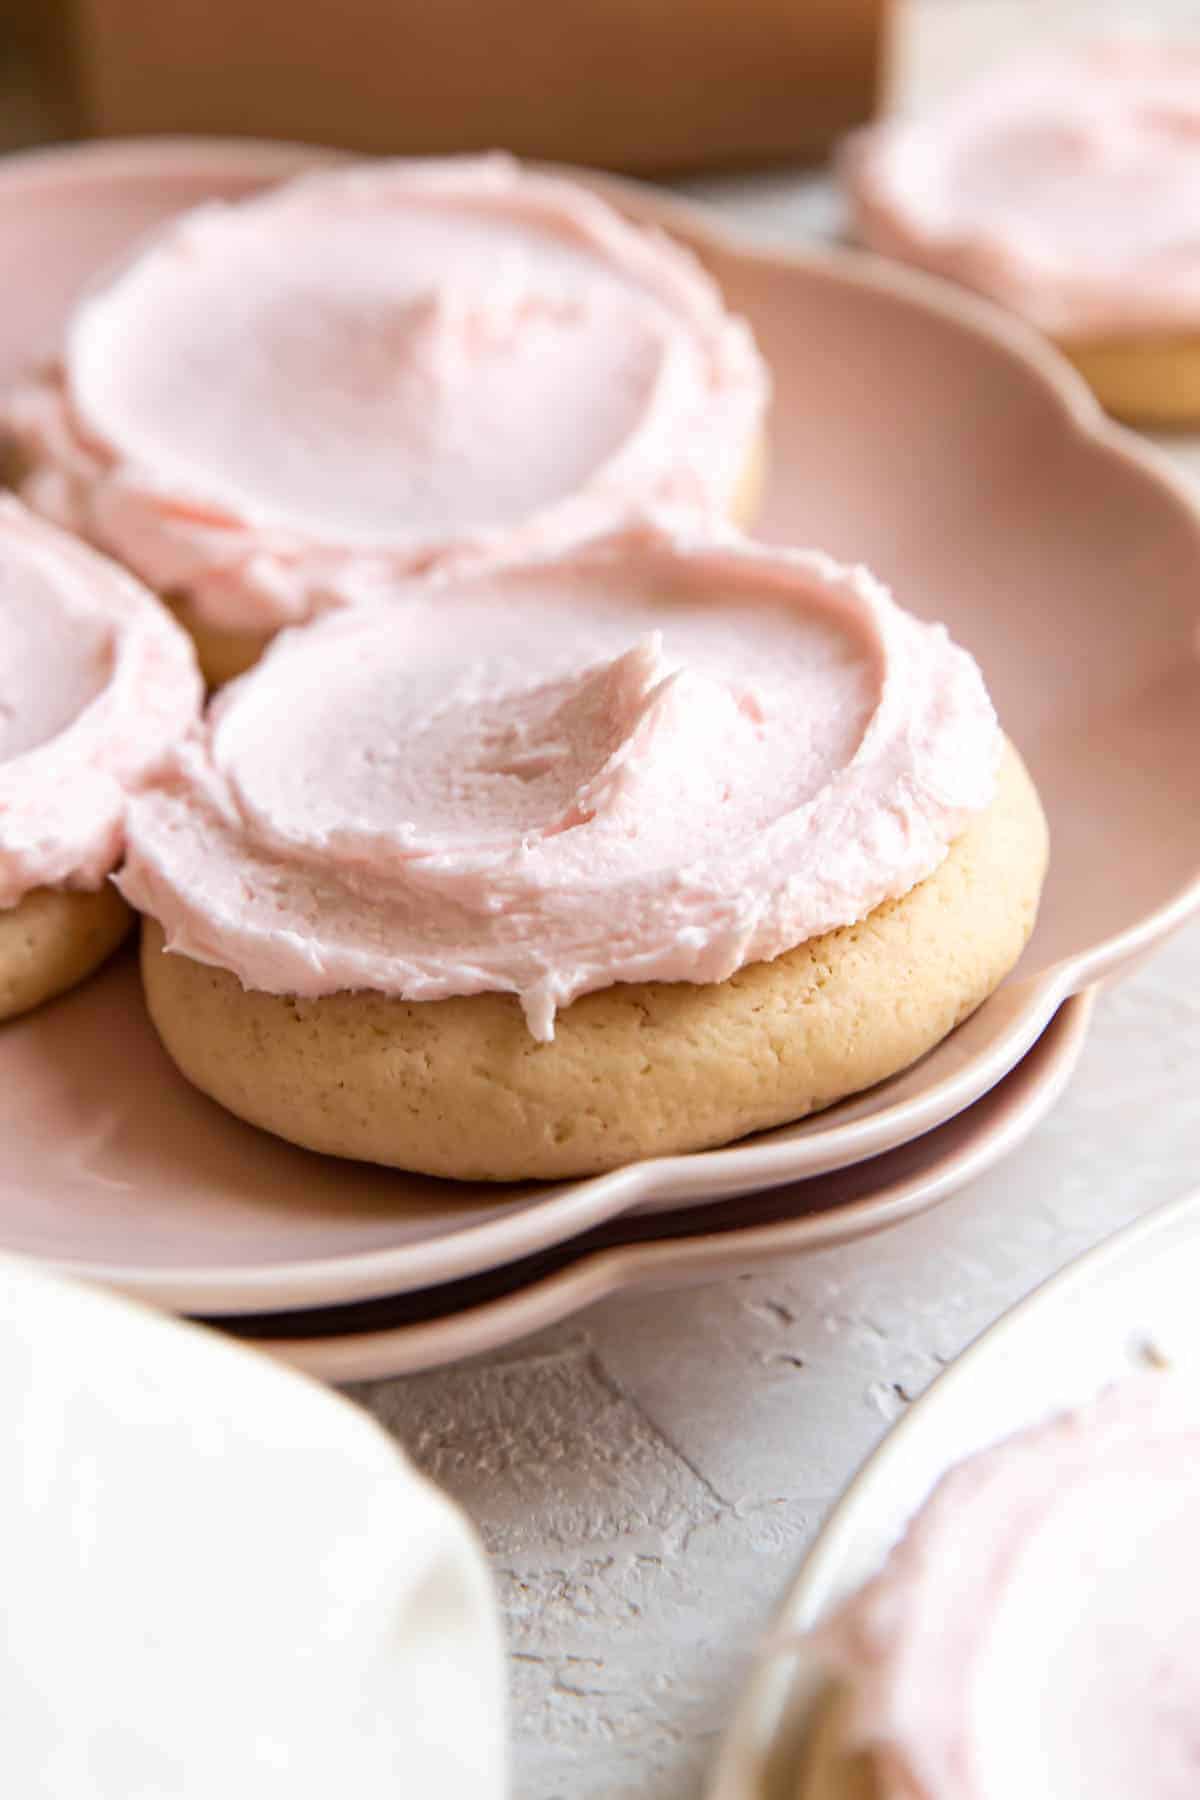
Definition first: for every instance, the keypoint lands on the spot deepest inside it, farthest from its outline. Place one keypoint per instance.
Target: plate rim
(1031, 1001)
(601, 1273)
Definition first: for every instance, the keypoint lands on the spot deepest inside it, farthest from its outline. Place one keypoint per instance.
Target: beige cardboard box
(644, 85)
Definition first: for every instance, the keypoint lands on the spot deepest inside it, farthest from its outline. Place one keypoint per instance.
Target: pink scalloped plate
(913, 429)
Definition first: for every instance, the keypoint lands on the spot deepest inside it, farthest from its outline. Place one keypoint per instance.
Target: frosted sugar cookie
(278, 405)
(1066, 189)
(95, 683)
(562, 863)
(1035, 1630)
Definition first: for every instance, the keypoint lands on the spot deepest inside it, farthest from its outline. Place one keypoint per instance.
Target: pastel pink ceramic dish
(913, 429)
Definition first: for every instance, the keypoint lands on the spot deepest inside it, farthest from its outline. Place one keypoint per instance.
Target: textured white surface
(648, 1476)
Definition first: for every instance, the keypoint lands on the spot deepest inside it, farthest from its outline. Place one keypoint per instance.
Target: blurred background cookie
(1062, 185)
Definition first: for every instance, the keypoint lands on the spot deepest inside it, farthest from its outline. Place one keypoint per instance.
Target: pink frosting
(1065, 187)
(280, 404)
(1037, 1631)
(96, 682)
(670, 754)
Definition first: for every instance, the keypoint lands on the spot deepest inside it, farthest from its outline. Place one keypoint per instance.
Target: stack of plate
(913, 430)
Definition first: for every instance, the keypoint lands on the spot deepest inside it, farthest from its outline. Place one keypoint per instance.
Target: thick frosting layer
(662, 758)
(95, 683)
(1063, 187)
(280, 403)
(1036, 1632)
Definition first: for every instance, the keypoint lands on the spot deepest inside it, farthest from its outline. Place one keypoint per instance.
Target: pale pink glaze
(671, 754)
(96, 681)
(1064, 187)
(279, 404)
(1037, 1630)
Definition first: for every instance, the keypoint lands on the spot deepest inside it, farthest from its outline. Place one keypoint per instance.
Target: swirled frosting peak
(663, 757)
(95, 683)
(280, 402)
(1063, 186)
(1036, 1632)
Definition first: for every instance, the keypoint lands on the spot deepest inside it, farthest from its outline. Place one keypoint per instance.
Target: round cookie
(1150, 382)
(525, 859)
(222, 654)
(96, 684)
(52, 939)
(278, 406)
(1063, 187)
(459, 1088)
(829, 1771)
(747, 498)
